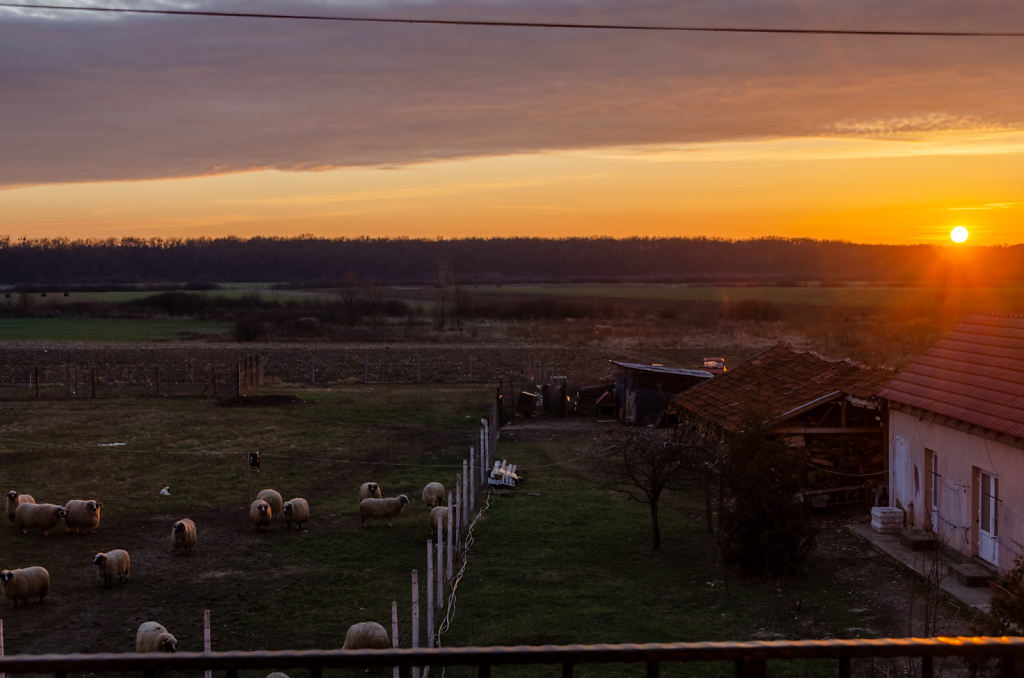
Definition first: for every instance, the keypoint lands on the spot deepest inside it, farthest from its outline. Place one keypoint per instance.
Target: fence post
(37, 381)
(451, 531)
(158, 380)
(92, 379)
(1, 642)
(394, 629)
(430, 593)
(207, 641)
(415, 617)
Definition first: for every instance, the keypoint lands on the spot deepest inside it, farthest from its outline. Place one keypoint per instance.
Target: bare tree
(644, 465)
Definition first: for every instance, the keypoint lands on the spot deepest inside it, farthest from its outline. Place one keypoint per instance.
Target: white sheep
(296, 510)
(112, 564)
(369, 489)
(183, 535)
(441, 512)
(42, 517)
(13, 499)
(153, 637)
(83, 515)
(260, 513)
(386, 508)
(366, 635)
(433, 494)
(25, 583)
(273, 498)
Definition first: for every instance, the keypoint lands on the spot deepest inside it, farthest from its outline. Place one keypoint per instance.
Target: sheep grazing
(433, 494)
(183, 536)
(441, 512)
(83, 515)
(369, 489)
(368, 635)
(112, 565)
(273, 498)
(13, 499)
(296, 511)
(385, 509)
(42, 517)
(25, 584)
(153, 637)
(260, 513)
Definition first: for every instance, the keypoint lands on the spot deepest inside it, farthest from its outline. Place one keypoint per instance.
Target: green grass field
(561, 559)
(107, 329)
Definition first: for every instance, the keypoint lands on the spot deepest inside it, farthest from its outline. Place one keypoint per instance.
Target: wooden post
(259, 368)
(415, 616)
(248, 478)
(92, 380)
(464, 503)
(238, 379)
(470, 483)
(454, 538)
(451, 528)
(67, 380)
(158, 380)
(207, 641)
(441, 540)
(1, 642)
(394, 629)
(430, 591)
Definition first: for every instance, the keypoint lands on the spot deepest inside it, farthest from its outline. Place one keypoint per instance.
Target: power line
(529, 24)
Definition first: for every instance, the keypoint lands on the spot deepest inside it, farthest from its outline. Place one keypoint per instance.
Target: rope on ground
(449, 614)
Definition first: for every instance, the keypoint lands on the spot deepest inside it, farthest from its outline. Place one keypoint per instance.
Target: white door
(988, 518)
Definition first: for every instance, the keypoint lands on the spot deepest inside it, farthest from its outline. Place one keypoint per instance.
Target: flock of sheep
(83, 516)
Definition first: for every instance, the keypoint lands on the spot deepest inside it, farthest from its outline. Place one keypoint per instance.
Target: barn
(826, 407)
(643, 391)
(956, 439)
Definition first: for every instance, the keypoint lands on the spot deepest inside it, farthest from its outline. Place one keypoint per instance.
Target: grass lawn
(106, 329)
(560, 559)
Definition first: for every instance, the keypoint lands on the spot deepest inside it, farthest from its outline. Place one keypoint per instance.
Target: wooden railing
(748, 658)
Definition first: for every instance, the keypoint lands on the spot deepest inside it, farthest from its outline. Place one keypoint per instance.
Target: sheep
(273, 498)
(369, 489)
(260, 513)
(83, 515)
(386, 508)
(183, 536)
(368, 635)
(42, 517)
(13, 499)
(433, 494)
(111, 564)
(153, 637)
(25, 583)
(442, 513)
(296, 510)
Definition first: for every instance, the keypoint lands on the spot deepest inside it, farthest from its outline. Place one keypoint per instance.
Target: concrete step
(972, 574)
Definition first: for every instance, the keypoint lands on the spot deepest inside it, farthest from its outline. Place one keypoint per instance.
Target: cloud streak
(90, 98)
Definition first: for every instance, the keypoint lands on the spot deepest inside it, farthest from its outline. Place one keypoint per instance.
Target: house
(643, 391)
(825, 407)
(956, 439)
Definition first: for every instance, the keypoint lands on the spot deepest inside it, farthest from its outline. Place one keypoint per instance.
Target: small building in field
(826, 407)
(642, 391)
(956, 439)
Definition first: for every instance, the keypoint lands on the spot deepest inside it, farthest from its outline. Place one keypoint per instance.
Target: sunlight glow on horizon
(857, 190)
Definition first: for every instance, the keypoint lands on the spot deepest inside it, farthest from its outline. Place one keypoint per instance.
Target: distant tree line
(329, 262)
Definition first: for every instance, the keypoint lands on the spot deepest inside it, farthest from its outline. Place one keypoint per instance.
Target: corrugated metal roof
(974, 374)
(661, 369)
(782, 382)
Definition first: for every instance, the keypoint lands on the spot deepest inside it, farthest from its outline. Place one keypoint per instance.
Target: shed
(956, 439)
(828, 407)
(642, 391)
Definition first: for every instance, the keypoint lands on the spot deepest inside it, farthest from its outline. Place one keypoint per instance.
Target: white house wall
(960, 456)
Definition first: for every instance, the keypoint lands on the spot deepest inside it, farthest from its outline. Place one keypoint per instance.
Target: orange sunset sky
(144, 125)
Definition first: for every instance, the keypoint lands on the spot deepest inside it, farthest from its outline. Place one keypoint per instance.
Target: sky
(120, 125)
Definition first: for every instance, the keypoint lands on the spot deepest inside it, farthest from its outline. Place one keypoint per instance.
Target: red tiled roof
(974, 374)
(779, 381)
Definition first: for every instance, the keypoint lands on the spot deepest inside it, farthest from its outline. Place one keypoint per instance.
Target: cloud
(98, 97)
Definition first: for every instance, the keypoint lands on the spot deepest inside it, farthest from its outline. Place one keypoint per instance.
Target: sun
(958, 234)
